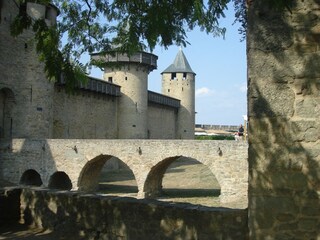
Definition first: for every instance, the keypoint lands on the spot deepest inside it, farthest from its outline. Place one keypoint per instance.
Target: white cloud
(204, 91)
(243, 87)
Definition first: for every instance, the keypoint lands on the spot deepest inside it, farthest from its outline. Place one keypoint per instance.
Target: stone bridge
(78, 162)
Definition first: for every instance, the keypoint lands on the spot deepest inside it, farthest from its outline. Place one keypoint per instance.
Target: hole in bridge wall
(182, 179)
(108, 175)
(60, 180)
(31, 178)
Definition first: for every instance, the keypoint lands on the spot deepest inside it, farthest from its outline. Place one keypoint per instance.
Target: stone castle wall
(85, 115)
(89, 216)
(284, 116)
(32, 107)
(162, 122)
(92, 115)
(26, 105)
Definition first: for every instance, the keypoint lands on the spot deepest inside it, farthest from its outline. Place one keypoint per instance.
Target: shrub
(215, 137)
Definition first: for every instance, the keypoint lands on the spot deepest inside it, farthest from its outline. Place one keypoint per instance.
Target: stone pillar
(284, 121)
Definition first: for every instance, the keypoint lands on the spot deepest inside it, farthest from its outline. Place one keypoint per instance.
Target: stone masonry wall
(284, 117)
(23, 75)
(84, 115)
(88, 216)
(162, 122)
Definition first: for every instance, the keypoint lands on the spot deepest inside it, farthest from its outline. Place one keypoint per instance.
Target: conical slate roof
(180, 65)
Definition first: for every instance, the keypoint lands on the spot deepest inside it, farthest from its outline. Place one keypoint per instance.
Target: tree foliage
(89, 26)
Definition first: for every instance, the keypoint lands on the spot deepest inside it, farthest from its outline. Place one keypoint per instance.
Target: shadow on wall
(29, 156)
(58, 180)
(284, 122)
(73, 216)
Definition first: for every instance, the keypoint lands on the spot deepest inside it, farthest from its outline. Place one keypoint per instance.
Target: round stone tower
(178, 81)
(25, 92)
(131, 73)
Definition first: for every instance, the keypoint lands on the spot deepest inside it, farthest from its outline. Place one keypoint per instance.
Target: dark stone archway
(31, 178)
(60, 180)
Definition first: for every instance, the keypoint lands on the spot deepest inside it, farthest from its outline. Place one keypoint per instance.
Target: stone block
(308, 107)
(308, 224)
(270, 100)
(269, 130)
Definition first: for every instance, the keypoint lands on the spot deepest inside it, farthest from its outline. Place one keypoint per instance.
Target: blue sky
(220, 65)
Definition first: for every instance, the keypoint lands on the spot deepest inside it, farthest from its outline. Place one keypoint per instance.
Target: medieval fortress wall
(84, 114)
(162, 122)
(26, 94)
(284, 116)
(34, 107)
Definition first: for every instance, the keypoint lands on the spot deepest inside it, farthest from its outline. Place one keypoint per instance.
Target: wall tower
(131, 73)
(25, 92)
(178, 81)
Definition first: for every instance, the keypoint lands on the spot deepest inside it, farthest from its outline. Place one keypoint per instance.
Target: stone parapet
(89, 216)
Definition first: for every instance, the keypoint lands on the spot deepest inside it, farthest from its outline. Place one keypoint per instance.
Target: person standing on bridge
(239, 135)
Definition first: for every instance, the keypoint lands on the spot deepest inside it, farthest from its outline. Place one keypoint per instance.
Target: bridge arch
(90, 174)
(60, 180)
(153, 186)
(31, 178)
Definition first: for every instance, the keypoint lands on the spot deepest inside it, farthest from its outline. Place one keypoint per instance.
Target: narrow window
(126, 78)
(173, 75)
(110, 79)
(184, 76)
(168, 90)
